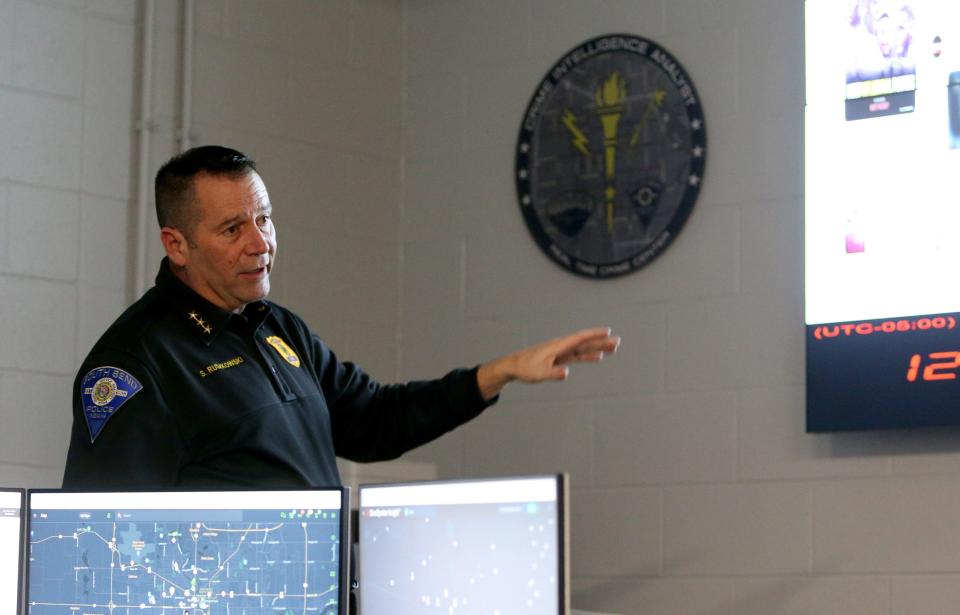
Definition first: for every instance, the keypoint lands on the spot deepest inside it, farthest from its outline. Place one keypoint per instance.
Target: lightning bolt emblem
(579, 139)
(656, 102)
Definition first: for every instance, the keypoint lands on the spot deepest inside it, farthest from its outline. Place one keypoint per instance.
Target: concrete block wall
(695, 488)
(312, 90)
(67, 85)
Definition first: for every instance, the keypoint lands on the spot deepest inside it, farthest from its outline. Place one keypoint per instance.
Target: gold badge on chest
(285, 350)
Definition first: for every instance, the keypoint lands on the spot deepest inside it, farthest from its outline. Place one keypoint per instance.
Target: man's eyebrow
(231, 221)
(240, 218)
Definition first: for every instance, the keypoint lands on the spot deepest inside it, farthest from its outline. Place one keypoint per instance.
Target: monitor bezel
(21, 555)
(561, 481)
(344, 567)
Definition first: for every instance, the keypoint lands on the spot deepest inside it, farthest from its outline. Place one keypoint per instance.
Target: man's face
(893, 26)
(229, 253)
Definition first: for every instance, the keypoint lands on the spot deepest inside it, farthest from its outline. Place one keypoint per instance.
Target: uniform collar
(205, 319)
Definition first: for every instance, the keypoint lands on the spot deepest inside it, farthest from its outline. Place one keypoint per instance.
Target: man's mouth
(256, 272)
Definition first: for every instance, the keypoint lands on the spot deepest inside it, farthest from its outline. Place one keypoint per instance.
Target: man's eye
(230, 230)
(264, 220)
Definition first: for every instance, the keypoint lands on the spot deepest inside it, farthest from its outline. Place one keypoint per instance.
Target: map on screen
(188, 553)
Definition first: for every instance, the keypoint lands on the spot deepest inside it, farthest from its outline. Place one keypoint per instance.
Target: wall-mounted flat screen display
(470, 546)
(187, 553)
(882, 214)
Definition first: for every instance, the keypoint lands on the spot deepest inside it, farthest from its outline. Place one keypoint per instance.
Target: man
(204, 383)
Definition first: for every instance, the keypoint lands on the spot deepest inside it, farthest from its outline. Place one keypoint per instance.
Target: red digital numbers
(940, 366)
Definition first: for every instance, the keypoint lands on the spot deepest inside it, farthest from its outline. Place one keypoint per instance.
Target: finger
(607, 344)
(590, 357)
(591, 333)
(581, 357)
(585, 336)
(586, 349)
(556, 372)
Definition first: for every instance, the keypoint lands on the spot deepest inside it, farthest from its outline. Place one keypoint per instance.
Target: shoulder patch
(102, 391)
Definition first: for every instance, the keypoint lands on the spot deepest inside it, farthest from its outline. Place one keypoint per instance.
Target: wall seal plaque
(611, 156)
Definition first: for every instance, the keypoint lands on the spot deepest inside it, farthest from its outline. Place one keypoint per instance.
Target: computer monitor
(11, 549)
(188, 553)
(464, 546)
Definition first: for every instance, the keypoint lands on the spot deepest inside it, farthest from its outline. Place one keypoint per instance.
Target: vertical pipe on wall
(144, 129)
(186, 76)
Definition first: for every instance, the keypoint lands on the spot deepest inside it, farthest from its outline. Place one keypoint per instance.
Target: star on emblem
(698, 152)
(695, 124)
(694, 180)
(207, 330)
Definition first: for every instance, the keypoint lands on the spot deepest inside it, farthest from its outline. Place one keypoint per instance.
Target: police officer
(205, 383)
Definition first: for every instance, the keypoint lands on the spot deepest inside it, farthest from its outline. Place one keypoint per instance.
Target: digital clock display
(882, 213)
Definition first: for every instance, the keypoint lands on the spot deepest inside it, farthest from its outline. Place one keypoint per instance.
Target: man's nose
(257, 241)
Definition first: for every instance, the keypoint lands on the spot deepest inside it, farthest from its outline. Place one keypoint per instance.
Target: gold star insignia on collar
(200, 322)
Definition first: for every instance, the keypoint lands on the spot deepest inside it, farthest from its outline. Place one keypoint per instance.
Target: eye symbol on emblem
(645, 200)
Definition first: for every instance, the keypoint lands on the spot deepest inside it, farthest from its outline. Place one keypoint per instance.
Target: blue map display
(187, 563)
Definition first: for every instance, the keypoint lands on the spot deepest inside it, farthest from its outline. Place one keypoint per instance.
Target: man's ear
(175, 245)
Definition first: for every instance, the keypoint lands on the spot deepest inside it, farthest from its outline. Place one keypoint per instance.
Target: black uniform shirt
(179, 392)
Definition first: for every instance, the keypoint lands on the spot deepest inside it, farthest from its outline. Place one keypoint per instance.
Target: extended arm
(374, 422)
(546, 361)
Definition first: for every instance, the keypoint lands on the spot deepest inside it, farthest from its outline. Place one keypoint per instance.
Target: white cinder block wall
(67, 97)
(386, 132)
(695, 489)
(312, 91)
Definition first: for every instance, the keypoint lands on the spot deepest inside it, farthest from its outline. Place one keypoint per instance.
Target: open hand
(546, 361)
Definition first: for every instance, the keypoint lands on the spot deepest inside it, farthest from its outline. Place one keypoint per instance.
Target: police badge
(102, 391)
